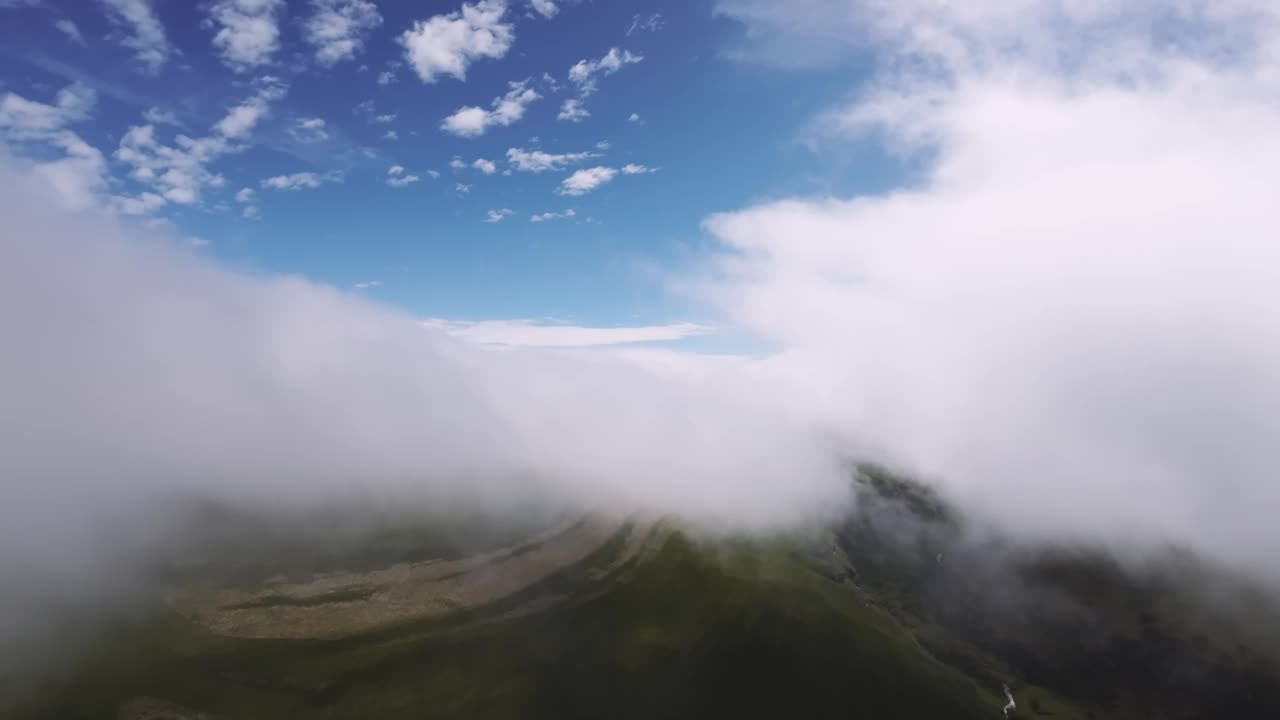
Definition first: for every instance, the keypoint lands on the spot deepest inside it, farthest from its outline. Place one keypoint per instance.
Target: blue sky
(709, 129)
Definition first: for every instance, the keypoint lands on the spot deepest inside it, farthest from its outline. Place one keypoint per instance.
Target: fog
(1068, 320)
(138, 376)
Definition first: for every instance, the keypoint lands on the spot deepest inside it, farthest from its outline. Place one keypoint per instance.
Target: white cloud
(397, 177)
(543, 217)
(457, 163)
(1068, 319)
(474, 121)
(391, 135)
(367, 285)
(143, 204)
(301, 180)
(573, 111)
(69, 28)
(156, 116)
(585, 180)
(337, 29)
(538, 161)
(497, 215)
(80, 173)
(633, 169)
(447, 44)
(545, 8)
(634, 117)
(531, 333)
(433, 174)
(386, 77)
(309, 130)
(485, 166)
(462, 188)
(146, 36)
(245, 195)
(383, 119)
(585, 73)
(248, 31)
(250, 212)
(651, 23)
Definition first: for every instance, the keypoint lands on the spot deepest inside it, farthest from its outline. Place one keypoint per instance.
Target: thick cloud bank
(1072, 319)
(137, 375)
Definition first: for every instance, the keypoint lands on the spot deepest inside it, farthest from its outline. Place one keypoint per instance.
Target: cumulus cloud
(474, 121)
(584, 181)
(537, 161)
(397, 177)
(337, 28)
(145, 35)
(586, 73)
(180, 172)
(80, 173)
(545, 8)
(248, 31)
(634, 169)
(1067, 320)
(448, 44)
(485, 166)
(573, 110)
(301, 180)
(494, 216)
(543, 217)
(309, 130)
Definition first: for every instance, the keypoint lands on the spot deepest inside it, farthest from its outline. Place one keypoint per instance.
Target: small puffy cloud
(539, 161)
(143, 204)
(337, 29)
(386, 77)
(498, 215)
(633, 169)
(181, 171)
(145, 35)
(391, 135)
(507, 109)
(544, 217)
(301, 181)
(457, 163)
(156, 116)
(448, 44)
(245, 195)
(585, 180)
(367, 285)
(586, 72)
(69, 28)
(462, 188)
(545, 8)
(433, 174)
(397, 177)
(243, 117)
(634, 117)
(485, 166)
(573, 111)
(309, 130)
(604, 145)
(383, 119)
(248, 31)
(250, 212)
